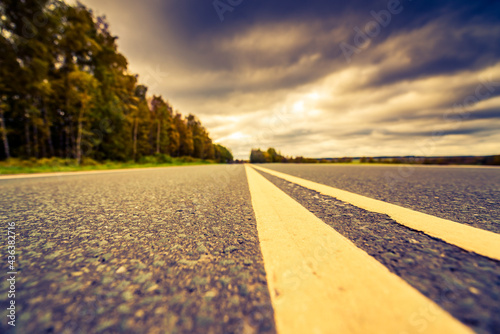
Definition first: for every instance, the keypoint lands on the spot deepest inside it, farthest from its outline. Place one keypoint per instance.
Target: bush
(89, 162)
(147, 160)
(156, 159)
(55, 162)
(187, 159)
(43, 162)
(12, 162)
(163, 158)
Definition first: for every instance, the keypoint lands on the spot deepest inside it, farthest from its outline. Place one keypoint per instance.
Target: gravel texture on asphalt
(171, 250)
(465, 284)
(465, 195)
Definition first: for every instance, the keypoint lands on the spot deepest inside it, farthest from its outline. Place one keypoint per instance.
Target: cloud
(272, 73)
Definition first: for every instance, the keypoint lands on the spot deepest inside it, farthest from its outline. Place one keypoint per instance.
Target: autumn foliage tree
(66, 91)
(258, 156)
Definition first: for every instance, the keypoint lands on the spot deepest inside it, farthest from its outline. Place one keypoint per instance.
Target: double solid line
(320, 282)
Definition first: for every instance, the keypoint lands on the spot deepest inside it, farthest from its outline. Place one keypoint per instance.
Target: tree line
(272, 156)
(66, 91)
(493, 160)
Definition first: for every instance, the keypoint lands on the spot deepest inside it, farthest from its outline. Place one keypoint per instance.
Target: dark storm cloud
(198, 27)
(272, 59)
(426, 134)
(198, 37)
(485, 114)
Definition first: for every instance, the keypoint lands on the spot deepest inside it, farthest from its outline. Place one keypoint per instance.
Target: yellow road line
(322, 283)
(472, 239)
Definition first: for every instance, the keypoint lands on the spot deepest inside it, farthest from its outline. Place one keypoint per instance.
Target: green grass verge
(52, 165)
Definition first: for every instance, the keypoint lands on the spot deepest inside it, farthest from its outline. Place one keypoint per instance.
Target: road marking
(320, 282)
(472, 239)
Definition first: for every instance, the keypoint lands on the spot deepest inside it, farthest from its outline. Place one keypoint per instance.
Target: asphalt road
(467, 195)
(171, 250)
(465, 284)
(176, 250)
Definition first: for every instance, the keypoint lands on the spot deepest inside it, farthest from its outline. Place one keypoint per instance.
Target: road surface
(468, 195)
(210, 249)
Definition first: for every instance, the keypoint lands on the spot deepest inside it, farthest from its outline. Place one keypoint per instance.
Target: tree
(162, 113)
(186, 145)
(257, 156)
(202, 144)
(222, 154)
(64, 86)
(274, 156)
(24, 62)
(4, 130)
(83, 89)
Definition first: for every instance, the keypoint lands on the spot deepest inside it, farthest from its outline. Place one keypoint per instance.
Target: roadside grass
(50, 165)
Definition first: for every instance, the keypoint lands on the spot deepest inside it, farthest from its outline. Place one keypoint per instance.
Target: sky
(322, 78)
